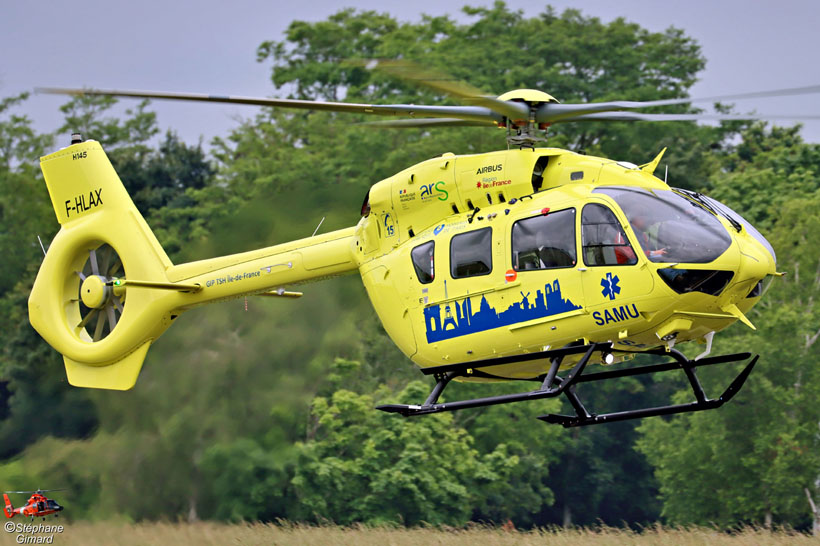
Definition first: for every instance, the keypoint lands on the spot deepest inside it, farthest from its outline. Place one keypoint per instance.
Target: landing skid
(552, 385)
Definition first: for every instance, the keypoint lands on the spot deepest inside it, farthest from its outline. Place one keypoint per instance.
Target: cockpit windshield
(670, 227)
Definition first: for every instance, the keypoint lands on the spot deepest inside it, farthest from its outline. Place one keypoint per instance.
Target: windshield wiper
(699, 199)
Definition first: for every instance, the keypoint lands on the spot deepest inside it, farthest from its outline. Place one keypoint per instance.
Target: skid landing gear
(552, 385)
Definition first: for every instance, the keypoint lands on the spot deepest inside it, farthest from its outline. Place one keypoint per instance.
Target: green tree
(26, 209)
(359, 465)
(767, 168)
(511, 433)
(84, 114)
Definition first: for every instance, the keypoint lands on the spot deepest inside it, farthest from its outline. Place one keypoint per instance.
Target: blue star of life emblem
(610, 284)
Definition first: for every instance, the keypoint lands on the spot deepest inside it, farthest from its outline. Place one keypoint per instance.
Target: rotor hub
(95, 292)
(530, 96)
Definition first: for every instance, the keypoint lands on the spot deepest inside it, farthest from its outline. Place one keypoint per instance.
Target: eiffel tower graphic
(448, 319)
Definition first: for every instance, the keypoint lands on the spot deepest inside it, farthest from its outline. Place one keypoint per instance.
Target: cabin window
(423, 263)
(471, 254)
(604, 240)
(544, 241)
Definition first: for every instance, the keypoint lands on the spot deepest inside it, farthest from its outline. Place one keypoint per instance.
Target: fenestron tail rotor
(101, 300)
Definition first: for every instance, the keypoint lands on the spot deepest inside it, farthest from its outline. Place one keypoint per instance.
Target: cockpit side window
(604, 240)
(423, 256)
(544, 241)
(471, 254)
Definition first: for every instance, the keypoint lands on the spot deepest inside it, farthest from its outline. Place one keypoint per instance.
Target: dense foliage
(266, 412)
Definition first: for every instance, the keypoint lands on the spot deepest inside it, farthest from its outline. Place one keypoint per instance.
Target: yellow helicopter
(517, 264)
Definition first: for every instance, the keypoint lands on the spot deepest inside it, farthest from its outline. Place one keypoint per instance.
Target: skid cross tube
(582, 417)
(546, 391)
(466, 367)
(552, 385)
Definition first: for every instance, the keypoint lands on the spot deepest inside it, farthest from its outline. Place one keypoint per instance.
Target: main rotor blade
(430, 122)
(461, 112)
(445, 83)
(637, 116)
(553, 112)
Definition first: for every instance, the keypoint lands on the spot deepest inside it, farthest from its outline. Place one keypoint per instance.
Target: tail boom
(259, 271)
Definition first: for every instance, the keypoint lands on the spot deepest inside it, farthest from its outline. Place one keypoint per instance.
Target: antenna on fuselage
(41, 245)
(317, 227)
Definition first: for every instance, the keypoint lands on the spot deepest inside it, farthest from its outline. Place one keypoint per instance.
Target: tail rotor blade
(106, 259)
(112, 319)
(87, 318)
(115, 267)
(92, 256)
(99, 329)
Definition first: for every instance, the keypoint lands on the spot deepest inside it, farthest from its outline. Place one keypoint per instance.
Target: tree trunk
(767, 522)
(567, 516)
(815, 523)
(192, 516)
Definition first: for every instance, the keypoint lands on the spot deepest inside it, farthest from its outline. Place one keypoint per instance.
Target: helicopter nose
(755, 262)
(761, 241)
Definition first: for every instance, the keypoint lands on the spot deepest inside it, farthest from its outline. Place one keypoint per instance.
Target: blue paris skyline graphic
(459, 319)
(610, 285)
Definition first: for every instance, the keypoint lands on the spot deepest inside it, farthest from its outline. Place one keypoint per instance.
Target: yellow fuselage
(510, 310)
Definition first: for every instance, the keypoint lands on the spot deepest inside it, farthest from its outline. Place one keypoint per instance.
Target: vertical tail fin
(77, 303)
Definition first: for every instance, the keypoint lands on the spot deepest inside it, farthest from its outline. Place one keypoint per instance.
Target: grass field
(207, 534)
